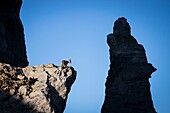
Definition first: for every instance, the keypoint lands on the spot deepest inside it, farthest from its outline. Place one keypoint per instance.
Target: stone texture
(127, 85)
(35, 89)
(12, 42)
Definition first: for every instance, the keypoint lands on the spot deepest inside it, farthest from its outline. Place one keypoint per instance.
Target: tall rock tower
(12, 42)
(127, 85)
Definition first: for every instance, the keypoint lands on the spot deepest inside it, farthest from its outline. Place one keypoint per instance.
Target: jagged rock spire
(127, 85)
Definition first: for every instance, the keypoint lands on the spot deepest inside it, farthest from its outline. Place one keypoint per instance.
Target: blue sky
(77, 29)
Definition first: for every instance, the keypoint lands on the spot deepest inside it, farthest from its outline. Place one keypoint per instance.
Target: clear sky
(77, 29)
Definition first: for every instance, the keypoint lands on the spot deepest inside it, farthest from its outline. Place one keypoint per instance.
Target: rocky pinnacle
(127, 85)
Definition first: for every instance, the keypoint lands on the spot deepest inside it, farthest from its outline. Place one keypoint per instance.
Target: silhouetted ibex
(65, 62)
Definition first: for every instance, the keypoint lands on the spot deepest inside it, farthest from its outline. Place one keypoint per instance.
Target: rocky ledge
(127, 85)
(35, 89)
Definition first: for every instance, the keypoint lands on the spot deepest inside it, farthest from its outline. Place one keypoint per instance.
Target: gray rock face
(12, 42)
(127, 85)
(38, 89)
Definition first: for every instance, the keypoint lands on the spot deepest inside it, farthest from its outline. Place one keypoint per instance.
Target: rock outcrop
(35, 89)
(127, 85)
(12, 42)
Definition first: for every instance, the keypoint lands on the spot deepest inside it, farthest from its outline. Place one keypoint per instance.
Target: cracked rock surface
(35, 89)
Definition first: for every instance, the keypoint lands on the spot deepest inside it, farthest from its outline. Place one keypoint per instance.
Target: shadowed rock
(40, 89)
(12, 104)
(12, 42)
(127, 85)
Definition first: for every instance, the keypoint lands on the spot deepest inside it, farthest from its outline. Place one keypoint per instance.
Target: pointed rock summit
(127, 85)
(12, 42)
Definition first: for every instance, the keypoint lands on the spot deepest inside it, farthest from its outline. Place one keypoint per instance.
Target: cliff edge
(127, 85)
(31, 89)
(35, 89)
